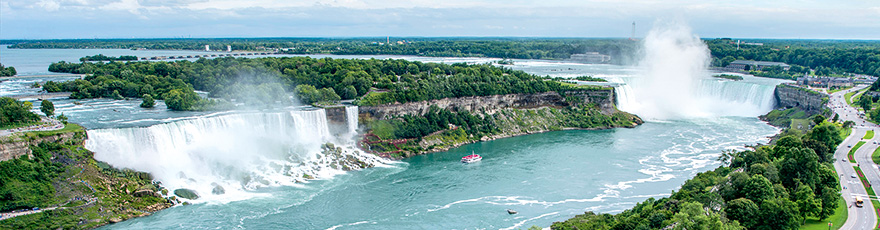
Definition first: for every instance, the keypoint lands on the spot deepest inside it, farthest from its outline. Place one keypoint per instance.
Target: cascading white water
(674, 81)
(238, 151)
(351, 118)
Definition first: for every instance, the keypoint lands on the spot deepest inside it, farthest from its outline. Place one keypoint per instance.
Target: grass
(876, 156)
(847, 97)
(869, 135)
(836, 220)
(853, 150)
(69, 127)
(800, 124)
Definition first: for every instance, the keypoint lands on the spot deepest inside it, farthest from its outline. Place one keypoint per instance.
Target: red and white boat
(471, 158)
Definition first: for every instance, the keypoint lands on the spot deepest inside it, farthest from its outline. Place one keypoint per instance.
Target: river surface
(546, 177)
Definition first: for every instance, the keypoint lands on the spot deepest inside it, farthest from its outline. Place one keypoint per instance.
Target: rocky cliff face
(791, 96)
(13, 147)
(603, 98)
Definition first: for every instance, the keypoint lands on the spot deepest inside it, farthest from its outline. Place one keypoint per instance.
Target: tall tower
(633, 35)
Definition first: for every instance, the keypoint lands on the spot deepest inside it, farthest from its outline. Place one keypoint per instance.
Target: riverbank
(486, 126)
(60, 185)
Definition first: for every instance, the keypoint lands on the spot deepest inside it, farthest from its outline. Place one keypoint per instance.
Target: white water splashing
(675, 82)
(238, 152)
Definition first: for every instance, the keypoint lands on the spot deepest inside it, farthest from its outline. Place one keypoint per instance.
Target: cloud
(552, 18)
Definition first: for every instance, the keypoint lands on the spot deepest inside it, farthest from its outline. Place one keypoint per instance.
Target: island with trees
(7, 71)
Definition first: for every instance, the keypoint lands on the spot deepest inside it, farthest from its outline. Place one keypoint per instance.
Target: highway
(865, 217)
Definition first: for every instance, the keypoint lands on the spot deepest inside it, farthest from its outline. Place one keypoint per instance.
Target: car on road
(853, 175)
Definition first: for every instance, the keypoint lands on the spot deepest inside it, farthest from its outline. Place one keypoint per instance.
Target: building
(228, 48)
(590, 57)
(207, 47)
(755, 65)
(826, 82)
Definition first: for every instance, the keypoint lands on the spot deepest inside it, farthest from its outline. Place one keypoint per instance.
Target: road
(859, 218)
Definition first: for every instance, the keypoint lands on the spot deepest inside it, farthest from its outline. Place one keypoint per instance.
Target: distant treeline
(838, 56)
(520, 48)
(823, 56)
(101, 57)
(267, 80)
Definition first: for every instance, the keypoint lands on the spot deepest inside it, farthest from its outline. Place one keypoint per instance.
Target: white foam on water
(239, 152)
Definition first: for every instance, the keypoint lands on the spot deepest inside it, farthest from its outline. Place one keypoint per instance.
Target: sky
(797, 19)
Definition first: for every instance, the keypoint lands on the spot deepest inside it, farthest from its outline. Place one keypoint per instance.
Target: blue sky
(38, 19)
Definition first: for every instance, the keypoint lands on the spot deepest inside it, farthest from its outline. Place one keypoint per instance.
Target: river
(546, 177)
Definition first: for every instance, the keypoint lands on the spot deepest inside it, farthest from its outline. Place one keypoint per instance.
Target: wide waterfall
(237, 152)
(673, 81)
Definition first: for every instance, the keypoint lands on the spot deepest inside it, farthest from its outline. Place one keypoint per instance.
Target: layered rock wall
(603, 98)
(13, 147)
(788, 96)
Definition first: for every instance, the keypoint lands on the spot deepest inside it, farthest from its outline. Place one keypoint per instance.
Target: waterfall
(674, 82)
(238, 152)
(351, 118)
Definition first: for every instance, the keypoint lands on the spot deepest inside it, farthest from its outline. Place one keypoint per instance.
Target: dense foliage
(27, 183)
(65, 175)
(7, 71)
(47, 108)
(826, 57)
(771, 187)
(267, 80)
(101, 57)
(14, 112)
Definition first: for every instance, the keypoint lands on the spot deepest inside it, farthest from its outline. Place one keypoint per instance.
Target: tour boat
(471, 158)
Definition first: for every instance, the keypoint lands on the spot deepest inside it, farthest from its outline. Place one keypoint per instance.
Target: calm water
(546, 177)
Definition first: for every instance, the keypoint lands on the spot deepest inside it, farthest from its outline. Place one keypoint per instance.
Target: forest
(265, 80)
(771, 187)
(101, 57)
(14, 112)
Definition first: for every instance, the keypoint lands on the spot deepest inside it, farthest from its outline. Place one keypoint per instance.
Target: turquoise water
(547, 177)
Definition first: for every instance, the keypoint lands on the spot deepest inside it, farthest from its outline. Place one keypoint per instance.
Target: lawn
(876, 156)
(869, 135)
(853, 150)
(847, 97)
(837, 219)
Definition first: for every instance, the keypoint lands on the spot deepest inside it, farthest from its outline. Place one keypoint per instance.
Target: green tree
(818, 119)
(47, 108)
(692, 216)
(807, 202)
(777, 214)
(179, 100)
(836, 117)
(62, 118)
(16, 112)
(743, 210)
(148, 101)
(759, 188)
(865, 103)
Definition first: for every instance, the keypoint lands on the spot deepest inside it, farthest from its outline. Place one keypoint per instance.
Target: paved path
(865, 217)
(47, 125)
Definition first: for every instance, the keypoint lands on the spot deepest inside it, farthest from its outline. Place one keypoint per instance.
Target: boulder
(186, 193)
(218, 190)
